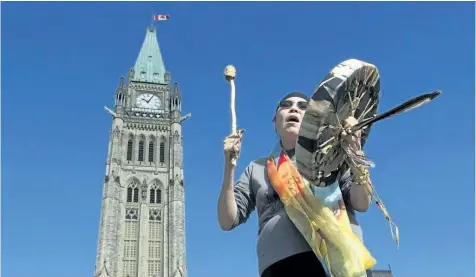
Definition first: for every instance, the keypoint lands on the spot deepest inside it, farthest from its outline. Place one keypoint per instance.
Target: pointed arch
(162, 149)
(151, 149)
(130, 147)
(133, 191)
(140, 154)
(155, 192)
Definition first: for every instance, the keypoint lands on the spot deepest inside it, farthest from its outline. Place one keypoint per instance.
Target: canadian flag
(160, 17)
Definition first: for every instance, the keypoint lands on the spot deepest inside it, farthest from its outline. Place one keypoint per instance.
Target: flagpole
(152, 20)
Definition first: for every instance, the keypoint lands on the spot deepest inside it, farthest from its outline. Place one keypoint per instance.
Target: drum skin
(352, 88)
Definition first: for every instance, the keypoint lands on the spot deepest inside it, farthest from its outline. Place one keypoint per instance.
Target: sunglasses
(286, 104)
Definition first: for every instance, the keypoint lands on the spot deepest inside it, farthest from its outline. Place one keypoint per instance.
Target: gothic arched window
(133, 192)
(129, 150)
(151, 151)
(141, 151)
(155, 195)
(162, 152)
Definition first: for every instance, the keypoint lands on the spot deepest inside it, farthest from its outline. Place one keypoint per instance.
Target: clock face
(148, 101)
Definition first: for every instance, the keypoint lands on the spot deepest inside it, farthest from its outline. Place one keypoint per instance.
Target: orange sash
(330, 236)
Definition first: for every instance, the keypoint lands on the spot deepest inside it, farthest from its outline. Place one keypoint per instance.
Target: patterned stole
(320, 215)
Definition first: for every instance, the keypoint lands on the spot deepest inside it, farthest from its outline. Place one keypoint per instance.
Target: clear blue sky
(61, 63)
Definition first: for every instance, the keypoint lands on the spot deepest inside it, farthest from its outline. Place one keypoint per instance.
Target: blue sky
(61, 63)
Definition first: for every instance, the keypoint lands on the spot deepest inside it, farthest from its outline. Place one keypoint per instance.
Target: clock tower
(142, 225)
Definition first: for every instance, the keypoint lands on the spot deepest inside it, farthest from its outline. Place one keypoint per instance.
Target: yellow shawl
(330, 236)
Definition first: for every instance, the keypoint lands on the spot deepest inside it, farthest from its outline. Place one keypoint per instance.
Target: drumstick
(230, 75)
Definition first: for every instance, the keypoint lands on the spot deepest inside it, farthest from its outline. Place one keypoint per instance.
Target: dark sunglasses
(286, 104)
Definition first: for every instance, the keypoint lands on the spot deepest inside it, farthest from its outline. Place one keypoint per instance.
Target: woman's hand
(232, 148)
(227, 207)
(353, 139)
(360, 191)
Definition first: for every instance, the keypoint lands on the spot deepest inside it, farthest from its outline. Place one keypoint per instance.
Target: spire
(149, 65)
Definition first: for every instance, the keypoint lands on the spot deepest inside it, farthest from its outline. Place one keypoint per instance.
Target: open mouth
(293, 118)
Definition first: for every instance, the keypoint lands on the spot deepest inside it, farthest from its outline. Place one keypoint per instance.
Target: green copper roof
(149, 65)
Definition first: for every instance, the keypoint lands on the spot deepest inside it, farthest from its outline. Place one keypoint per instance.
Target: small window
(141, 151)
(151, 151)
(129, 195)
(152, 196)
(159, 196)
(129, 150)
(136, 195)
(162, 152)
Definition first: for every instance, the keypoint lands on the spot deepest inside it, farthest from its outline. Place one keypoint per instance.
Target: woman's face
(289, 117)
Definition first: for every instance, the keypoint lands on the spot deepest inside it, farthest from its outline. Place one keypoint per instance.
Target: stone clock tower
(142, 227)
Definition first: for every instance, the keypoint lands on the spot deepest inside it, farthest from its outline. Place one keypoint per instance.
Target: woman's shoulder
(255, 166)
(260, 162)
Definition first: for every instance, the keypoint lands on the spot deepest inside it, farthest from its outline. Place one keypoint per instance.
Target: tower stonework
(142, 226)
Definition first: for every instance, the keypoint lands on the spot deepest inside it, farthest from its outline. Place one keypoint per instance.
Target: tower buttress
(177, 259)
(175, 103)
(120, 99)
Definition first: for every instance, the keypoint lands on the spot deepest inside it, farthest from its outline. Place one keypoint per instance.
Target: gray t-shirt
(278, 238)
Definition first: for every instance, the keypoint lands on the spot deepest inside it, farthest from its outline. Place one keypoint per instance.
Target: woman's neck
(290, 153)
(288, 147)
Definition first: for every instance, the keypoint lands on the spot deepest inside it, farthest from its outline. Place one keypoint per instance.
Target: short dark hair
(294, 94)
(289, 95)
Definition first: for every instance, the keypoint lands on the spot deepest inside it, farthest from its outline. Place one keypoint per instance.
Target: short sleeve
(245, 201)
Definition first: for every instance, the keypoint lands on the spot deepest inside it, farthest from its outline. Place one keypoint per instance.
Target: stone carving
(116, 161)
(117, 132)
(144, 189)
(147, 125)
(178, 271)
(103, 271)
(116, 177)
(177, 180)
(155, 214)
(167, 77)
(131, 214)
(149, 87)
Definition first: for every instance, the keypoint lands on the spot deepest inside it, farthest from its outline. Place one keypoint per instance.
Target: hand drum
(352, 88)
